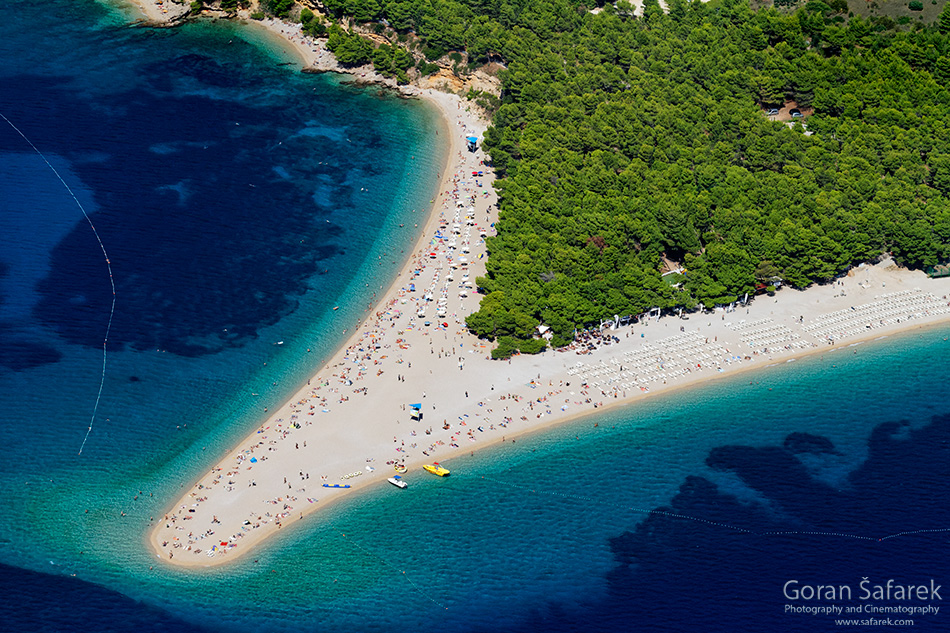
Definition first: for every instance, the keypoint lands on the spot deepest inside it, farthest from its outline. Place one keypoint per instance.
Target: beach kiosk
(472, 143)
(415, 411)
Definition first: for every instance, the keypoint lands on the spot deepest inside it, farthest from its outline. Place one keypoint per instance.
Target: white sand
(402, 346)
(351, 423)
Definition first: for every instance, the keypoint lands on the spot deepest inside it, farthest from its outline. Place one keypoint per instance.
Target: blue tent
(415, 406)
(472, 143)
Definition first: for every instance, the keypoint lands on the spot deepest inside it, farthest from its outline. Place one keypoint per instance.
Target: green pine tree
(943, 21)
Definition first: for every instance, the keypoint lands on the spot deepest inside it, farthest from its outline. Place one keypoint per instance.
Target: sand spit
(352, 423)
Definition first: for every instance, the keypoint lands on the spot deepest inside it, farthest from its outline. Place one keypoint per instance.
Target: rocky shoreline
(314, 54)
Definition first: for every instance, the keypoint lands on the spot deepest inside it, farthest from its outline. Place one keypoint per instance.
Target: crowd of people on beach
(421, 321)
(587, 341)
(381, 351)
(630, 362)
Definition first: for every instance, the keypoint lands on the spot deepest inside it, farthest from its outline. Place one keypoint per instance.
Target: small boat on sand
(436, 469)
(397, 481)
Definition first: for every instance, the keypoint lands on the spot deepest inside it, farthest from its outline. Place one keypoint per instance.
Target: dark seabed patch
(18, 349)
(198, 267)
(708, 562)
(19, 354)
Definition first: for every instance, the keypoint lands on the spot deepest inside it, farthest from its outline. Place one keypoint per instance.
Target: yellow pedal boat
(436, 469)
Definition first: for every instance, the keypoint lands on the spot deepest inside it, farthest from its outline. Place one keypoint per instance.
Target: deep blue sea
(240, 201)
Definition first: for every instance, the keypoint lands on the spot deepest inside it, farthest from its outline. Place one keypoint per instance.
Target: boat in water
(397, 481)
(436, 469)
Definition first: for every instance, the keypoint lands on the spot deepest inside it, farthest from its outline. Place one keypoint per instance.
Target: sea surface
(239, 202)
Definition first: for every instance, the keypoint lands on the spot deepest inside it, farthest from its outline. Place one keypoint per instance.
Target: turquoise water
(518, 529)
(240, 202)
(555, 501)
(522, 537)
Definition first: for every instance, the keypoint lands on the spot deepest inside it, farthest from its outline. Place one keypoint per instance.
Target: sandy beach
(351, 426)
